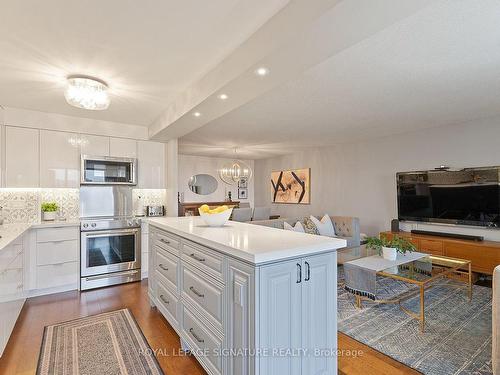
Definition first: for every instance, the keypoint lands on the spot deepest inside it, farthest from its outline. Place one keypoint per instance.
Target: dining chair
(261, 213)
(242, 214)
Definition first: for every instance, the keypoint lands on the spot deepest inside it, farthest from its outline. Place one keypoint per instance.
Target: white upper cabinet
(151, 165)
(122, 148)
(94, 145)
(22, 155)
(59, 160)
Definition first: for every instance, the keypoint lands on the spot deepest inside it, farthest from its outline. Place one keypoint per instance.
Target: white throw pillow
(325, 226)
(297, 228)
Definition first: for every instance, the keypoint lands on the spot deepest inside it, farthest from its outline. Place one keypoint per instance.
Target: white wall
(358, 179)
(191, 165)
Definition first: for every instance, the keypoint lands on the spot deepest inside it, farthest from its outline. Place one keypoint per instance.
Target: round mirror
(202, 184)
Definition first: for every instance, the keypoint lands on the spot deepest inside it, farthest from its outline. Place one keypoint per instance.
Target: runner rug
(105, 344)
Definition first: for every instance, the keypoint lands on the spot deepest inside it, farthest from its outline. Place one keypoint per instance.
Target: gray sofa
(346, 227)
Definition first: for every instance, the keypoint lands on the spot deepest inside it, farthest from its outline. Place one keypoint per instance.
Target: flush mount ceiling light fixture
(87, 93)
(223, 96)
(197, 114)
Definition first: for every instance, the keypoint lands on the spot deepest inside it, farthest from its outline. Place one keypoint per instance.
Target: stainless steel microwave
(106, 170)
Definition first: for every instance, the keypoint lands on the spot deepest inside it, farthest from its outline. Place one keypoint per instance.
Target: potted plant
(389, 248)
(49, 210)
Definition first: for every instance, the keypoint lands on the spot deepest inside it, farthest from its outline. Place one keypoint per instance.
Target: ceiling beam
(302, 35)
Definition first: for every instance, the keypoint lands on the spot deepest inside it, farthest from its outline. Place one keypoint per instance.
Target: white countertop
(10, 232)
(249, 242)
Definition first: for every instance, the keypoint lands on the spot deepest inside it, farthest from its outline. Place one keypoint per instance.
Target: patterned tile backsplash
(150, 197)
(23, 205)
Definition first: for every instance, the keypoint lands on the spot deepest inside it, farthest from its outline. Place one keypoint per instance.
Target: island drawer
(168, 242)
(201, 338)
(204, 292)
(167, 266)
(203, 258)
(168, 302)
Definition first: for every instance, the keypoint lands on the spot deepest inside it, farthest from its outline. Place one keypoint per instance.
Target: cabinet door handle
(164, 300)
(194, 256)
(191, 331)
(299, 273)
(165, 241)
(308, 272)
(162, 267)
(192, 289)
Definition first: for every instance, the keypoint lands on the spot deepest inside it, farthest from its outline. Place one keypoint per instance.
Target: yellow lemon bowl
(216, 219)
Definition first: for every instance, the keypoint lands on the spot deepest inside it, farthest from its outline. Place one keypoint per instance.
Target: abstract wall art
(291, 186)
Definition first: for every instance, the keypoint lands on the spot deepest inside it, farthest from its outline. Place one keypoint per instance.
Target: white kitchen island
(247, 299)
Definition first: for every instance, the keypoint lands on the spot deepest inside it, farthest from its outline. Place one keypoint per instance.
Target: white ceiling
(437, 67)
(148, 51)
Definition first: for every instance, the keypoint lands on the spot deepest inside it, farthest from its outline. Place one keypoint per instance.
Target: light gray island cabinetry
(247, 299)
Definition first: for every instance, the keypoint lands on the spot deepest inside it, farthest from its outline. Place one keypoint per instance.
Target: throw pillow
(325, 226)
(309, 226)
(298, 227)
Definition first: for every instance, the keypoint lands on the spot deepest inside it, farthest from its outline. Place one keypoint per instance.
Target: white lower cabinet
(280, 310)
(144, 249)
(319, 311)
(243, 319)
(11, 288)
(57, 254)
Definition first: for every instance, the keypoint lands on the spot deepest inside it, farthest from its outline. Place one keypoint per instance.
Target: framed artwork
(242, 193)
(291, 186)
(243, 183)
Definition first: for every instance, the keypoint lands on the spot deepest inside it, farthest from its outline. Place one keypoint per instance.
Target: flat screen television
(469, 196)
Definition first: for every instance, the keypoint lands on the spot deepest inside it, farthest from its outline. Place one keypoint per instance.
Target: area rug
(457, 337)
(105, 344)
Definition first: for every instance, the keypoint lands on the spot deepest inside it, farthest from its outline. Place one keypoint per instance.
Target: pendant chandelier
(233, 172)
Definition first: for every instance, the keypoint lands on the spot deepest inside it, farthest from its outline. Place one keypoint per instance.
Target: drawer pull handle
(165, 241)
(191, 331)
(162, 267)
(192, 289)
(164, 300)
(194, 256)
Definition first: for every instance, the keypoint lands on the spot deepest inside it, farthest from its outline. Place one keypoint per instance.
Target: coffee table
(440, 266)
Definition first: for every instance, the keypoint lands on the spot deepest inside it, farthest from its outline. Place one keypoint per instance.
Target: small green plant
(49, 207)
(402, 245)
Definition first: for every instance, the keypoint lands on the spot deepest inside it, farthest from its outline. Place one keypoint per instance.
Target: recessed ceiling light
(223, 96)
(87, 93)
(197, 114)
(262, 71)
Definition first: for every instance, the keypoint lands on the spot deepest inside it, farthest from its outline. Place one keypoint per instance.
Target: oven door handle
(109, 233)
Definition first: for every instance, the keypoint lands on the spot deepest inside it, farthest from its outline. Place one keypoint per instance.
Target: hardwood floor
(21, 354)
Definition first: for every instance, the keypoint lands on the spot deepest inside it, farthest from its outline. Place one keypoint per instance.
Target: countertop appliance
(106, 170)
(155, 210)
(110, 235)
